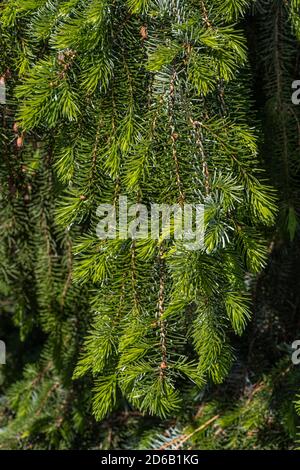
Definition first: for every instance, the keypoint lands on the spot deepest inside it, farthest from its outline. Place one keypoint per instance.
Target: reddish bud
(20, 141)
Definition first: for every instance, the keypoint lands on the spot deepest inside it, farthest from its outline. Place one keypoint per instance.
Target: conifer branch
(174, 135)
(160, 313)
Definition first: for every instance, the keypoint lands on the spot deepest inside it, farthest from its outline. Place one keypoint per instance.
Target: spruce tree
(152, 100)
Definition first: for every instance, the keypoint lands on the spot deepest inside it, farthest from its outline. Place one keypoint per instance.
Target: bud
(20, 141)
(144, 32)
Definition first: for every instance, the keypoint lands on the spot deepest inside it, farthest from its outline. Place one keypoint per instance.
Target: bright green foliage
(149, 100)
